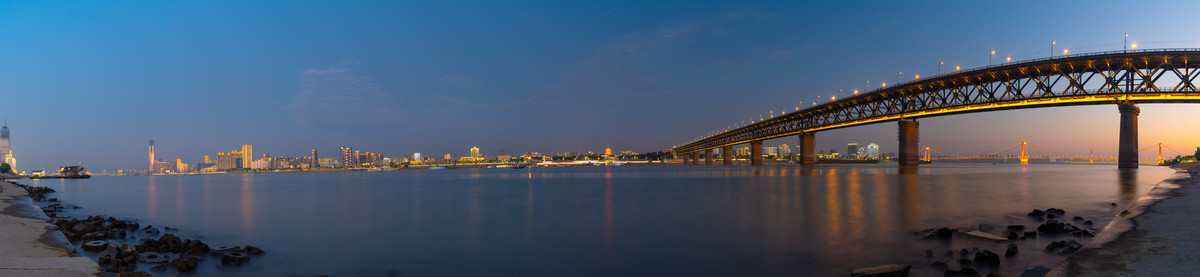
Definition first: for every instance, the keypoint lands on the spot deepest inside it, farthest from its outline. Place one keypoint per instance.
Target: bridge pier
(708, 156)
(1127, 153)
(727, 155)
(756, 155)
(682, 158)
(909, 153)
(807, 147)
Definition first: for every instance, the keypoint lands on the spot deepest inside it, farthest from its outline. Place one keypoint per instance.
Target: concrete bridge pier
(683, 158)
(807, 147)
(727, 155)
(1127, 153)
(708, 156)
(909, 153)
(756, 154)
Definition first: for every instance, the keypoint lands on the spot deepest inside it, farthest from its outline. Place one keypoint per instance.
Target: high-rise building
(416, 157)
(347, 156)
(608, 151)
(872, 151)
(5, 148)
(315, 162)
(475, 153)
(150, 164)
(851, 149)
(247, 155)
(784, 150)
(771, 151)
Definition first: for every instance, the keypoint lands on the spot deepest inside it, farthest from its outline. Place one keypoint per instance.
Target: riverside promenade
(1161, 239)
(28, 247)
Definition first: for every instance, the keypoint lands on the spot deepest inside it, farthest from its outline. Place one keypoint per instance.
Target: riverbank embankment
(1159, 239)
(28, 244)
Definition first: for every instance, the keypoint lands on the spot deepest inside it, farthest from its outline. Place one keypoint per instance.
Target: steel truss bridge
(1124, 78)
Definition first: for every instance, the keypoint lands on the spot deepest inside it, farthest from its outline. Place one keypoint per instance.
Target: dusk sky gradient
(92, 81)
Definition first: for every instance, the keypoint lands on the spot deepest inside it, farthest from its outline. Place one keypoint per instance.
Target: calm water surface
(649, 220)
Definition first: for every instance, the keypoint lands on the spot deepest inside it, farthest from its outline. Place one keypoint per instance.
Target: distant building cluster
(244, 159)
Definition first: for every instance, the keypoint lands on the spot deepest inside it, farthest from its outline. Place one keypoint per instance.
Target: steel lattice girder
(1150, 76)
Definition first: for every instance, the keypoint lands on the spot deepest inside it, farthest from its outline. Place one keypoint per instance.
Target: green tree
(5, 168)
(1197, 155)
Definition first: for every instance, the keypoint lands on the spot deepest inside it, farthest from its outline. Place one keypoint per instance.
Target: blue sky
(92, 81)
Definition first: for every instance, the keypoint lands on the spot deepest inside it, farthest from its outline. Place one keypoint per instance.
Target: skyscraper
(149, 165)
(347, 156)
(475, 152)
(247, 155)
(315, 162)
(873, 151)
(4, 147)
(851, 149)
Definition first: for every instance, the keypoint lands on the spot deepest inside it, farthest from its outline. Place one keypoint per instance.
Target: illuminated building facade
(247, 155)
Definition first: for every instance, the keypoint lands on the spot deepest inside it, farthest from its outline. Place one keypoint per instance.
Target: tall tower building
(347, 156)
(149, 165)
(315, 162)
(5, 149)
(247, 155)
(475, 152)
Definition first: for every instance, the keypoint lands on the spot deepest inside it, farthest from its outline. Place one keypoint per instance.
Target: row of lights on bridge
(1008, 59)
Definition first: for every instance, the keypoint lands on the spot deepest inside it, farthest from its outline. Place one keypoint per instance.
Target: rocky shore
(127, 248)
(1158, 238)
(1154, 237)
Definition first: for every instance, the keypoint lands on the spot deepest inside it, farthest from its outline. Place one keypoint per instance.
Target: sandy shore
(28, 247)
(1161, 238)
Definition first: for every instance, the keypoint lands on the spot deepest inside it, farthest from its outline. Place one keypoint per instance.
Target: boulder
(1060, 212)
(1052, 227)
(987, 258)
(1037, 213)
(185, 263)
(253, 250)
(237, 258)
(95, 245)
(81, 227)
(1011, 251)
(1016, 228)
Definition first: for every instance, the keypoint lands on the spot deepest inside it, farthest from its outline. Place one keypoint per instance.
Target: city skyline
(640, 76)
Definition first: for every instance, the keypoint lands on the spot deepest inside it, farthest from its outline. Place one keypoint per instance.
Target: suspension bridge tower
(1024, 152)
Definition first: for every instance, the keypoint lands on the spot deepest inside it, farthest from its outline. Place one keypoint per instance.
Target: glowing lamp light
(856, 92)
(956, 68)
(1135, 46)
(918, 76)
(1009, 59)
(832, 98)
(1065, 51)
(884, 84)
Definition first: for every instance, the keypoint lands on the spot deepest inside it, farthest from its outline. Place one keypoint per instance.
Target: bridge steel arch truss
(1144, 76)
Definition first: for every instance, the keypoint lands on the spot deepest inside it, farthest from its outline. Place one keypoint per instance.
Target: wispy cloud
(336, 98)
(456, 80)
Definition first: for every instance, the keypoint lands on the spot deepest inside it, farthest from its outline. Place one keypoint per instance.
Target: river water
(625, 220)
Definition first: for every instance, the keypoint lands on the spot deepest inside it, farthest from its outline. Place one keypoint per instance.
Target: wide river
(625, 220)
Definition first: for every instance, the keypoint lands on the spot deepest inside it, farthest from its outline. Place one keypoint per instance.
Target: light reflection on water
(656, 220)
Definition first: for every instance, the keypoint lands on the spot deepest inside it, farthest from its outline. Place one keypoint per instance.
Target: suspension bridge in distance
(1121, 78)
(1023, 156)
